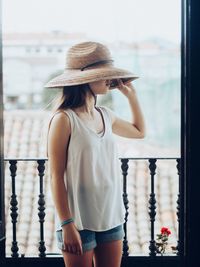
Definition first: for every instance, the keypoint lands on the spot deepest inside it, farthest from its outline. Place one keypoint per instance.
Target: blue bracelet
(67, 221)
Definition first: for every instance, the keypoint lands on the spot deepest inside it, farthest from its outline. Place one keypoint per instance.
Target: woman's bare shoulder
(59, 134)
(60, 119)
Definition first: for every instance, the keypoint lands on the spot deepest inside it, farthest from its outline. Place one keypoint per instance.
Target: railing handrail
(130, 158)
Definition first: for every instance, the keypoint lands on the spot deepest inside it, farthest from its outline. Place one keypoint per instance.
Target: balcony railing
(55, 259)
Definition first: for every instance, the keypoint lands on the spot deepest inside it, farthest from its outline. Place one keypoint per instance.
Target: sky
(111, 20)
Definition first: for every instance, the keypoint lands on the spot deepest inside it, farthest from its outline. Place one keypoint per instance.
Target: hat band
(97, 63)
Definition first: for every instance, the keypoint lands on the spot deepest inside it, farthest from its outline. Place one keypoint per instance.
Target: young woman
(86, 179)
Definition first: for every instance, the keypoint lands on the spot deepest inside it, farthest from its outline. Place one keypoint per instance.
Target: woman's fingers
(80, 249)
(74, 249)
(120, 81)
(68, 248)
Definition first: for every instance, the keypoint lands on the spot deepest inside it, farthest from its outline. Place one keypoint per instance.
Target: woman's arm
(59, 135)
(121, 127)
(58, 138)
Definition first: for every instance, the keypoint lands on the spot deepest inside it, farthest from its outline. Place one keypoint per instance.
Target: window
(148, 48)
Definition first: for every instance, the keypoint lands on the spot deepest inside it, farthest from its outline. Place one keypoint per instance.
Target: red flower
(165, 231)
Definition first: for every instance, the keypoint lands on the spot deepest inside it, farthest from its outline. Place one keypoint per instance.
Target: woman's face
(100, 87)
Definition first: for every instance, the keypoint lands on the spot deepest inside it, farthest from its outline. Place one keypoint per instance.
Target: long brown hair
(73, 96)
(70, 97)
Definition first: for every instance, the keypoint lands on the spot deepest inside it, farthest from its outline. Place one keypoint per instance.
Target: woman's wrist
(66, 222)
(131, 94)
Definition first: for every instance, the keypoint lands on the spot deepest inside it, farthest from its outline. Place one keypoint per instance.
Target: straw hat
(88, 62)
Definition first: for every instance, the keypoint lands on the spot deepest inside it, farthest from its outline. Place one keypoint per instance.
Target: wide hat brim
(76, 76)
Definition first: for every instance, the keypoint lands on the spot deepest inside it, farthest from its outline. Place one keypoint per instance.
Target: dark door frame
(2, 203)
(190, 137)
(190, 131)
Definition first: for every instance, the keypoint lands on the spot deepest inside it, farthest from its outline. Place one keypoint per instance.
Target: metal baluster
(14, 208)
(178, 166)
(152, 207)
(41, 208)
(124, 167)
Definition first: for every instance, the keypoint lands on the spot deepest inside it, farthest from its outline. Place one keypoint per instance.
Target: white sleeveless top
(93, 176)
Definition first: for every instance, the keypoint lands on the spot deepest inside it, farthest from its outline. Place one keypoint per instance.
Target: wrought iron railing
(126, 259)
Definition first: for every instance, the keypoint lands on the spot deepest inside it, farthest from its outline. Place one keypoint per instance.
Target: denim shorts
(90, 239)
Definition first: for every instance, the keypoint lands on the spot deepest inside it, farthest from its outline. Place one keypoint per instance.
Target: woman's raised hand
(126, 89)
(71, 239)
